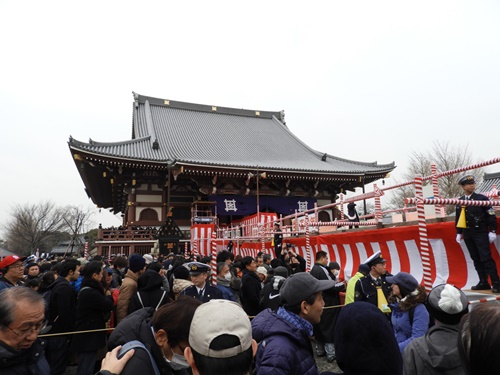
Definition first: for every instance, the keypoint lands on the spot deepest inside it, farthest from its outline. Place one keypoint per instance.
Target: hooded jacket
(283, 348)
(62, 306)
(365, 343)
(434, 353)
(150, 288)
(137, 327)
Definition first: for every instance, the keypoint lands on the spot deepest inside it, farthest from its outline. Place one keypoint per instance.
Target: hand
(492, 237)
(113, 364)
(459, 238)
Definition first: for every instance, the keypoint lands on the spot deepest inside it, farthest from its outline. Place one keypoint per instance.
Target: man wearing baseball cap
(283, 336)
(220, 340)
(13, 269)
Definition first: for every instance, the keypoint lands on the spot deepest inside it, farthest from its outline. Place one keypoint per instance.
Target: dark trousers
(57, 354)
(86, 363)
(479, 249)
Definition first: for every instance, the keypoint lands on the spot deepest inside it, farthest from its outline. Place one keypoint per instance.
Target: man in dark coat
(250, 287)
(277, 240)
(92, 312)
(324, 331)
(352, 214)
(479, 231)
(61, 315)
(200, 289)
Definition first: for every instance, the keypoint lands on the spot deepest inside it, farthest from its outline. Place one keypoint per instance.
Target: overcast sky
(364, 80)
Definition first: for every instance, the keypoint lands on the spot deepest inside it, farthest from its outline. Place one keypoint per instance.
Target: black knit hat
(447, 304)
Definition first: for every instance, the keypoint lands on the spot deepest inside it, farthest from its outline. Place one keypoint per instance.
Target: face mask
(178, 362)
(336, 272)
(227, 276)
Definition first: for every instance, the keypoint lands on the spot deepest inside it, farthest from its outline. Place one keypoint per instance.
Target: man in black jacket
(61, 315)
(250, 287)
(324, 331)
(479, 231)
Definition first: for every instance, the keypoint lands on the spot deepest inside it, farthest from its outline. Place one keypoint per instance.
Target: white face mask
(336, 272)
(178, 362)
(228, 276)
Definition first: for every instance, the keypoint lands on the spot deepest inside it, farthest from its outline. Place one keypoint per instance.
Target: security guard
(374, 288)
(200, 289)
(277, 240)
(478, 230)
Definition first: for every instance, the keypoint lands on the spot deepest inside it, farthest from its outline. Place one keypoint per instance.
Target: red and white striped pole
(422, 232)
(378, 205)
(213, 245)
(342, 215)
(262, 239)
(195, 249)
(435, 190)
(308, 245)
(186, 251)
(86, 251)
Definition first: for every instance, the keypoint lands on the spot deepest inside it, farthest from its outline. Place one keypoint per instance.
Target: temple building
(194, 163)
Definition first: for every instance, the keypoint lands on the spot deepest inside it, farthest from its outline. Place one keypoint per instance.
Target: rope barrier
(75, 332)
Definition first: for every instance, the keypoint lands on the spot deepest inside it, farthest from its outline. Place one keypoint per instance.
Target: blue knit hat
(136, 262)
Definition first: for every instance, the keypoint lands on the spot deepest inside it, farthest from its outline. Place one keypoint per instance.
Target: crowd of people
(263, 315)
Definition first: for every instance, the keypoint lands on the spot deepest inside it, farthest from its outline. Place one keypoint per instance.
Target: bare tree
(34, 226)
(446, 157)
(77, 220)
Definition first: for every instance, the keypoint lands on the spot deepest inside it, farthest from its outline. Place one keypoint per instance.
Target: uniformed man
(374, 288)
(200, 289)
(478, 232)
(277, 240)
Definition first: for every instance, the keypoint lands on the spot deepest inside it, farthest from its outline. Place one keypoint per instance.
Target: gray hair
(10, 297)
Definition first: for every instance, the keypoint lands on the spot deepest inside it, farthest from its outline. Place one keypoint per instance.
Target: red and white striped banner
(449, 262)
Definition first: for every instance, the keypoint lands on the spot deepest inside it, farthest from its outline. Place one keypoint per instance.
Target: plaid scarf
(295, 320)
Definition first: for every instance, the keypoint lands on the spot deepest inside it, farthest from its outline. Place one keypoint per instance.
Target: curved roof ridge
(91, 142)
(209, 108)
(322, 154)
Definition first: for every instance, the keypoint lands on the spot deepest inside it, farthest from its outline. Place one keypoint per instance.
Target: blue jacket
(404, 330)
(283, 348)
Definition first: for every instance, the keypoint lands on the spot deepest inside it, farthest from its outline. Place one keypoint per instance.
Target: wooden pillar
(131, 212)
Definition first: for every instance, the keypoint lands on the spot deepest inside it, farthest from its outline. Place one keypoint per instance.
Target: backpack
(135, 344)
(46, 299)
(159, 302)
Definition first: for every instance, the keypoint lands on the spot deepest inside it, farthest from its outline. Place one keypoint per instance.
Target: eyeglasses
(27, 331)
(19, 266)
